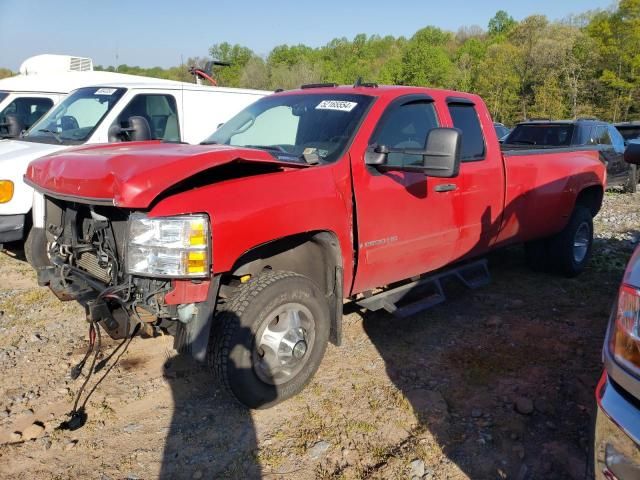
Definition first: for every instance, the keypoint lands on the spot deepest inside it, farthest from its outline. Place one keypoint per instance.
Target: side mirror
(440, 158)
(632, 153)
(12, 126)
(137, 131)
(442, 155)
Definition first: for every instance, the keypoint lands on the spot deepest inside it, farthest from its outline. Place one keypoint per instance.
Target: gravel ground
(495, 383)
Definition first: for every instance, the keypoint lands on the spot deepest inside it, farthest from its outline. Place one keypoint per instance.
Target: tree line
(581, 66)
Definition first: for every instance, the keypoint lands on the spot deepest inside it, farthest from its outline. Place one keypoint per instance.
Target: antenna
(117, 60)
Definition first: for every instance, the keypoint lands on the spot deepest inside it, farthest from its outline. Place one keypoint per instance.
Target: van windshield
(74, 120)
(314, 127)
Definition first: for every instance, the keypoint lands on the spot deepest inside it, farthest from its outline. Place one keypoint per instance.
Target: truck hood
(132, 175)
(15, 155)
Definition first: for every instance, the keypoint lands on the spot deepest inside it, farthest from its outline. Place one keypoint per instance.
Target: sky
(160, 32)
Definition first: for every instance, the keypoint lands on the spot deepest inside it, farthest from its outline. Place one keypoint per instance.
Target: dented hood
(132, 175)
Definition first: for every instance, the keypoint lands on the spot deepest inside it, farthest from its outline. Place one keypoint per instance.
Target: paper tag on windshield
(338, 105)
(105, 91)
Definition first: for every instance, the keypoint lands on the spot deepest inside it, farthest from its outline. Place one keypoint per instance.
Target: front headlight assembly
(169, 247)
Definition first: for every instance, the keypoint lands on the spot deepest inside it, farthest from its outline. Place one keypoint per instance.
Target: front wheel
(268, 340)
(571, 248)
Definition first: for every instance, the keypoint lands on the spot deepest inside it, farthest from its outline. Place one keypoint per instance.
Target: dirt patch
(495, 383)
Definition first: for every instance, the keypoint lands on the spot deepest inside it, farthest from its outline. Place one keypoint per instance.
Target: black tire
(536, 254)
(232, 347)
(561, 246)
(631, 186)
(35, 248)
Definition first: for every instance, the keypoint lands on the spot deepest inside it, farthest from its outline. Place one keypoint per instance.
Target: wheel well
(591, 197)
(316, 255)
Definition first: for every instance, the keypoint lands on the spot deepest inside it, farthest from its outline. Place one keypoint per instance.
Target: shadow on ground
(503, 377)
(211, 435)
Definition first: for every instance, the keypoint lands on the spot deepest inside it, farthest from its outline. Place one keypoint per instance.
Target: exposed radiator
(88, 261)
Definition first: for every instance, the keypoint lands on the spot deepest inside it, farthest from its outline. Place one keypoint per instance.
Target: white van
(42, 81)
(144, 109)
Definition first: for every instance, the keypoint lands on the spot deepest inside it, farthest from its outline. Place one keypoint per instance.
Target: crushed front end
(128, 268)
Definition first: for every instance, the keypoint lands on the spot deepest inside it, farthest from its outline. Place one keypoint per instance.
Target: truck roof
(382, 91)
(65, 82)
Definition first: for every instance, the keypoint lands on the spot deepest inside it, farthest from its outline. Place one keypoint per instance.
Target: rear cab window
(160, 112)
(465, 118)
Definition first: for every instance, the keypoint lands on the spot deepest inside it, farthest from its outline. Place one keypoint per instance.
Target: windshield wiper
(53, 134)
(271, 148)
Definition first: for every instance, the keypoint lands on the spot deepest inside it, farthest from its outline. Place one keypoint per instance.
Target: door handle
(445, 187)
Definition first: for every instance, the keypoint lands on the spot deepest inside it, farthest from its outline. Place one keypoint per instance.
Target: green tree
(499, 84)
(526, 36)
(425, 60)
(237, 55)
(501, 24)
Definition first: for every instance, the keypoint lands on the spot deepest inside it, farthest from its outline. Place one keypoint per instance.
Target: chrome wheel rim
(284, 342)
(581, 242)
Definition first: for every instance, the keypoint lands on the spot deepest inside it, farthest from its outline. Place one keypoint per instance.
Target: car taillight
(625, 334)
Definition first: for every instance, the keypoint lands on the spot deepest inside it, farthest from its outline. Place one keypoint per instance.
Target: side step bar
(427, 292)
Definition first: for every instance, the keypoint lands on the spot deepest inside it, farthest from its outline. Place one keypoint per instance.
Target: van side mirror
(12, 126)
(440, 158)
(137, 131)
(632, 153)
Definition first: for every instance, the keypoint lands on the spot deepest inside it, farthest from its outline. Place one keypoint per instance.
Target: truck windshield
(292, 127)
(74, 120)
(548, 135)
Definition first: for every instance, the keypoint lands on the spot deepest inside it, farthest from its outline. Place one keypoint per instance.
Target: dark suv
(564, 133)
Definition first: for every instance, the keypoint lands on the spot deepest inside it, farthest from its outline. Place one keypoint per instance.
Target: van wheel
(268, 340)
(571, 248)
(631, 186)
(35, 248)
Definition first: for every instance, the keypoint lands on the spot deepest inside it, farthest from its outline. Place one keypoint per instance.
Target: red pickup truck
(250, 242)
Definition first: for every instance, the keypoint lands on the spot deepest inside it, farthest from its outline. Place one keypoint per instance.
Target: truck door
(616, 171)
(616, 149)
(406, 223)
(481, 176)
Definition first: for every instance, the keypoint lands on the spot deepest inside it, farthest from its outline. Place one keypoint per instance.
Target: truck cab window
(405, 125)
(159, 111)
(616, 139)
(27, 109)
(602, 136)
(465, 118)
